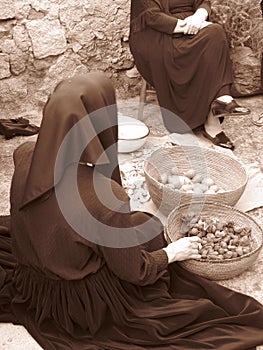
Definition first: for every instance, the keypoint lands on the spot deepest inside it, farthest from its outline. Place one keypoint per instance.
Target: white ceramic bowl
(132, 134)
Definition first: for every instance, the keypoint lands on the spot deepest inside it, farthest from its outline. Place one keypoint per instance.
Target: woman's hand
(187, 29)
(183, 249)
(195, 22)
(180, 26)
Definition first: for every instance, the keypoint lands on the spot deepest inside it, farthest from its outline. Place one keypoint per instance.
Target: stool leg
(142, 99)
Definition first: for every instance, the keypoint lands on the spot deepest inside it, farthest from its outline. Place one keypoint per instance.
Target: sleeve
(156, 18)
(140, 264)
(136, 265)
(205, 4)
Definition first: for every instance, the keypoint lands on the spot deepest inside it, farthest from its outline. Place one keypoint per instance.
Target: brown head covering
(89, 101)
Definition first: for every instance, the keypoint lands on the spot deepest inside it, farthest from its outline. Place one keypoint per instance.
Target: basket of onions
(191, 173)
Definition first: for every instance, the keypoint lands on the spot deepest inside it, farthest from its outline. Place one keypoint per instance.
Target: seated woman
(84, 272)
(186, 59)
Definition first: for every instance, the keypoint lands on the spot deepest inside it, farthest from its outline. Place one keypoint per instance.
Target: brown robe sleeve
(153, 14)
(136, 265)
(157, 19)
(206, 4)
(142, 262)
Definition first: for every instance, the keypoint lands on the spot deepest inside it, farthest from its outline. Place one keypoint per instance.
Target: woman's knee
(216, 31)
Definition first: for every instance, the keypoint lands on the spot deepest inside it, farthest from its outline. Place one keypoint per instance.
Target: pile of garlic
(190, 182)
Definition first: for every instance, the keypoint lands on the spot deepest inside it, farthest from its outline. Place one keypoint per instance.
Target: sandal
(258, 121)
(222, 109)
(219, 140)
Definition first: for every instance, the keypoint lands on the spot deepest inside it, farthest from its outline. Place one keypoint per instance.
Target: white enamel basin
(132, 134)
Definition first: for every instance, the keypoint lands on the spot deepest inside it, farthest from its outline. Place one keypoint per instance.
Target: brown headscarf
(90, 100)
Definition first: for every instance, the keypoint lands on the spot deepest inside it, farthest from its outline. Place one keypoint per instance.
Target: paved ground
(248, 139)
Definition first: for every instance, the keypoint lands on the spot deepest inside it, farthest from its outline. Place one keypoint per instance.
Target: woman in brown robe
(84, 272)
(186, 58)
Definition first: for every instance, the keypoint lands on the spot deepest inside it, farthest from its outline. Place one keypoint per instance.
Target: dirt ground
(248, 139)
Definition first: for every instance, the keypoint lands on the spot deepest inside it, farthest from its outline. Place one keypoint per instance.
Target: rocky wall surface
(42, 41)
(243, 24)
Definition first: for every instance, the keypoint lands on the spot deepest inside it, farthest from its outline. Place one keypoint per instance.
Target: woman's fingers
(196, 256)
(192, 30)
(183, 249)
(195, 247)
(193, 25)
(195, 239)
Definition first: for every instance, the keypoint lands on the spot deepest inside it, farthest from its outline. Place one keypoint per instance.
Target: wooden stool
(146, 89)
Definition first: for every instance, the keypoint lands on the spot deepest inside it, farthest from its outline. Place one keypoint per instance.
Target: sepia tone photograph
(131, 174)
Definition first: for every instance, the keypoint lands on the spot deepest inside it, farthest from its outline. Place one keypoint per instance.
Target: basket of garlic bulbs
(179, 174)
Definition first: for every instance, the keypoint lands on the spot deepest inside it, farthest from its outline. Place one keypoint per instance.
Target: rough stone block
(4, 66)
(48, 37)
(7, 9)
(247, 70)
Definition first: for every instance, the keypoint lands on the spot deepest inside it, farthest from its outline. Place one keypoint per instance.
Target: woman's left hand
(193, 24)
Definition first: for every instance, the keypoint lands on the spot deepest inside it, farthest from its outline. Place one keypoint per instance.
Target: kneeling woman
(186, 58)
(86, 273)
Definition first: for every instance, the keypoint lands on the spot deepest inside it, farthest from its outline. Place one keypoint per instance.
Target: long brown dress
(187, 71)
(93, 289)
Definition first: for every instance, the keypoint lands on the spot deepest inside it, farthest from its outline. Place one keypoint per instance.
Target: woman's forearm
(201, 13)
(160, 21)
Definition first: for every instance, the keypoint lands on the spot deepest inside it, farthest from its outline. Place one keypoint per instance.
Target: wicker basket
(227, 173)
(216, 269)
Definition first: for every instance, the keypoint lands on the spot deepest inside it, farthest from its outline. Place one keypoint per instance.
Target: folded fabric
(17, 127)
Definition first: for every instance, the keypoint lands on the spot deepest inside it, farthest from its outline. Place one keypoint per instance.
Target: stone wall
(243, 24)
(42, 41)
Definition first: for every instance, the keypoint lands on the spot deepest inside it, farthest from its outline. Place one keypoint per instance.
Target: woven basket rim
(227, 207)
(238, 162)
